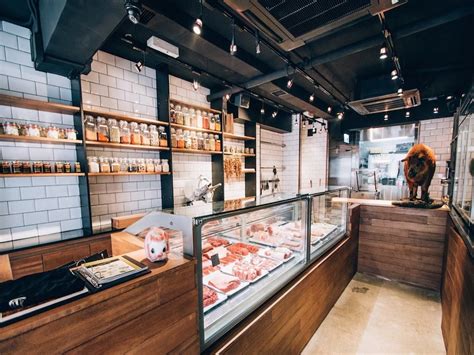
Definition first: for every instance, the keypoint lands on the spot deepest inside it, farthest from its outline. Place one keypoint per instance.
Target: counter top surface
(382, 203)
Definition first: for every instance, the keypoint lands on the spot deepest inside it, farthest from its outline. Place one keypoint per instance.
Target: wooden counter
(154, 313)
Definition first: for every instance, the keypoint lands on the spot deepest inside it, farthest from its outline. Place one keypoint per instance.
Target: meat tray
(242, 285)
(220, 298)
(261, 253)
(228, 270)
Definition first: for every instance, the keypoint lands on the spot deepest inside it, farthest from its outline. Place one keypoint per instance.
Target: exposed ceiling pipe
(353, 48)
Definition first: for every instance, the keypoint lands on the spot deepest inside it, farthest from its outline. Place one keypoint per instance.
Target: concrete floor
(375, 316)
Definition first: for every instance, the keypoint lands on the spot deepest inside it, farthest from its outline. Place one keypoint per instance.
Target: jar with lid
(179, 114)
(212, 122)
(124, 132)
(115, 166)
(102, 130)
(59, 167)
(33, 130)
(198, 119)
(187, 140)
(218, 144)
(163, 137)
(47, 167)
(132, 166)
(218, 122)
(145, 134)
(77, 167)
(212, 142)
(165, 166)
(194, 141)
(174, 138)
(114, 130)
(16, 167)
(27, 167)
(186, 117)
(37, 167)
(123, 164)
(53, 132)
(67, 167)
(104, 165)
(205, 120)
(91, 129)
(180, 137)
(206, 141)
(200, 140)
(135, 133)
(157, 164)
(6, 167)
(23, 129)
(154, 136)
(11, 129)
(71, 134)
(172, 113)
(141, 166)
(150, 167)
(61, 133)
(192, 112)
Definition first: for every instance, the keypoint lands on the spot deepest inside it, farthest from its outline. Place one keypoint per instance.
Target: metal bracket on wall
(282, 145)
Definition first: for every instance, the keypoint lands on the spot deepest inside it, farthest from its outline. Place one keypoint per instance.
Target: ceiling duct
(384, 103)
(291, 24)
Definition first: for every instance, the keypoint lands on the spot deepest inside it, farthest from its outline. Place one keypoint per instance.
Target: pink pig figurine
(157, 244)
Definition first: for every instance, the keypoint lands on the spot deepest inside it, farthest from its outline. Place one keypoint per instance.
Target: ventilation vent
(279, 93)
(146, 16)
(391, 102)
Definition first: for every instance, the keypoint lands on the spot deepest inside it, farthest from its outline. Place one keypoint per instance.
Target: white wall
(314, 157)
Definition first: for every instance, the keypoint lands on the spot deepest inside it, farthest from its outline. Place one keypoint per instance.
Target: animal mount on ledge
(419, 168)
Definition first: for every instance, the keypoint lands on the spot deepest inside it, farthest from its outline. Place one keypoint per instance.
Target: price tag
(215, 259)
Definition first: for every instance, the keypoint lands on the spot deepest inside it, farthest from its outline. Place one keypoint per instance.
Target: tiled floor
(374, 316)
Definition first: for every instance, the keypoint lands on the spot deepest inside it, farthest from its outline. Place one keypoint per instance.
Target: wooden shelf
(175, 125)
(124, 146)
(119, 116)
(238, 137)
(125, 174)
(200, 107)
(194, 151)
(41, 174)
(249, 171)
(37, 104)
(240, 154)
(8, 137)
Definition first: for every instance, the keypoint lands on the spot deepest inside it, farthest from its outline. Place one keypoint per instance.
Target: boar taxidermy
(420, 166)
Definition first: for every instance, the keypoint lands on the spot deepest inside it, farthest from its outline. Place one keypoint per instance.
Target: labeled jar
(53, 132)
(6, 167)
(206, 141)
(93, 165)
(154, 136)
(23, 129)
(11, 129)
(218, 123)
(205, 120)
(123, 164)
(157, 164)
(163, 137)
(90, 128)
(165, 168)
(174, 138)
(180, 137)
(179, 115)
(71, 134)
(172, 113)
(150, 167)
(102, 130)
(212, 122)
(187, 140)
(27, 167)
(67, 167)
(145, 134)
(218, 143)
(194, 141)
(34, 130)
(200, 140)
(37, 167)
(77, 167)
(47, 167)
(124, 132)
(114, 131)
(141, 166)
(59, 167)
(135, 133)
(187, 117)
(115, 166)
(61, 133)
(212, 142)
(104, 165)
(16, 167)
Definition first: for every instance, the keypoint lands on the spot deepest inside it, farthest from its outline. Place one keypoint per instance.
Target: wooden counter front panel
(457, 296)
(403, 244)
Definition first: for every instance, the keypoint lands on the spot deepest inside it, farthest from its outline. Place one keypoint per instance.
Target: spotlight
(226, 97)
(262, 110)
(233, 46)
(385, 117)
(304, 123)
(274, 114)
(340, 115)
(195, 85)
(394, 74)
(314, 129)
(383, 52)
(407, 114)
(138, 66)
(449, 97)
(257, 43)
(435, 110)
(329, 109)
(311, 97)
(289, 83)
(197, 27)
(134, 10)
(400, 92)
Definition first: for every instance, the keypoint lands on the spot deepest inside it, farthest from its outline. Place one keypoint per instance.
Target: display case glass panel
(328, 220)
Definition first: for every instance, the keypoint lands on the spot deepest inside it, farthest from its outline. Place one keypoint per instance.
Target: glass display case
(328, 220)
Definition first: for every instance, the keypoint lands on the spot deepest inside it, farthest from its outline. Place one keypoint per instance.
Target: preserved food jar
(124, 132)
(67, 167)
(71, 134)
(104, 165)
(205, 120)
(157, 164)
(172, 113)
(53, 132)
(37, 167)
(206, 141)
(218, 143)
(115, 166)
(212, 142)
(59, 167)
(174, 138)
(163, 137)
(47, 167)
(218, 123)
(77, 167)
(212, 122)
(200, 141)
(102, 130)
(187, 140)
(132, 166)
(193, 120)
(23, 129)
(179, 115)
(33, 130)
(114, 131)
(141, 167)
(123, 164)
(61, 133)
(165, 166)
(145, 134)
(135, 133)
(194, 142)
(26, 167)
(6, 167)
(16, 167)
(11, 129)
(180, 137)
(186, 117)
(150, 167)
(93, 165)
(91, 129)
(198, 119)
(154, 136)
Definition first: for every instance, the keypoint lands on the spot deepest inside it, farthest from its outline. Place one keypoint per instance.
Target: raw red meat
(217, 241)
(208, 296)
(224, 283)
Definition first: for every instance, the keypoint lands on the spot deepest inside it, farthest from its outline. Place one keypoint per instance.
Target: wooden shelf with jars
(194, 106)
(8, 137)
(240, 154)
(127, 174)
(122, 117)
(39, 174)
(31, 104)
(191, 128)
(238, 137)
(124, 146)
(195, 151)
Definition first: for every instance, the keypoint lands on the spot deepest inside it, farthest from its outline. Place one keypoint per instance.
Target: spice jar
(187, 117)
(198, 119)
(115, 166)
(193, 122)
(187, 140)
(33, 130)
(180, 137)
(37, 167)
(154, 136)
(179, 115)
(91, 129)
(6, 167)
(114, 131)
(67, 167)
(200, 140)
(16, 167)
(145, 134)
(141, 166)
(26, 167)
(102, 130)
(123, 164)
(157, 165)
(163, 137)
(53, 132)
(61, 133)
(23, 129)
(194, 142)
(150, 167)
(11, 129)
(47, 167)
(217, 144)
(218, 123)
(212, 142)
(135, 133)
(172, 113)
(59, 167)
(212, 122)
(93, 165)
(206, 141)
(165, 168)
(124, 132)
(205, 120)
(77, 167)
(71, 134)
(104, 165)
(174, 138)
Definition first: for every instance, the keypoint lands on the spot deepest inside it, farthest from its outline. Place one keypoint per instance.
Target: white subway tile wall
(271, 155)
(291, 157)
(114, 85)
(314, 158)
(437, 134)
(234, 187)
(33, 207)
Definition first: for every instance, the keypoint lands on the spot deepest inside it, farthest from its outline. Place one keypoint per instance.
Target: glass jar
(115, 166)
(187, 140)
(193, 122)
(114, 131)
(34, 131)
(77, 167)
(47, 167)
(180, 137)
(26, 167)
(104, 165)
(53, 132)
(124, 132)
(150, 167)
(172, 113)
(154, 136)
(163, 137)
(200, 140)
(198, 119)
(135, 134)
(67, 167)
(194, 142)
(186, 117)
(71, 134)
(141, 166)
(212, 143)
(102, 130)
(165, 168)
(59, 167)
(157, 165)
(212, 122)
(16, 167)
(132, 166)
(123, 164)
(37, 167)
(91, 129)
(61, 133)
(179, 115)
(23, 129)
(218, 143)
(205, 120)
(11, 129)
(174, 138)
(206, 141)
(218, 123)
(6, 167)
(145, 134)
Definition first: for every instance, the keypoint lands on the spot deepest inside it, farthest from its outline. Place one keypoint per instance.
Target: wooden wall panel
(403, 244)
(457, 296)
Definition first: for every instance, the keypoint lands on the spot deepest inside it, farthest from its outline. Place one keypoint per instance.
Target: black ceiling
(438, 60)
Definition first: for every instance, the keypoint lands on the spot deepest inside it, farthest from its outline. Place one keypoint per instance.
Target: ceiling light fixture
(134, 10)
(197, 26)
(257, 43)
(233, 46)
(274, 114)
(289, 83)
(304, 123)
(407, 114)
(383, 52)
(394, 74)
(195, 85)
(227, 97)
(340, 115)
(435, 110)
(329, 109)
(385, 117)
(262, 110)
(449, 97)
(400, 92)
(311, 97)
